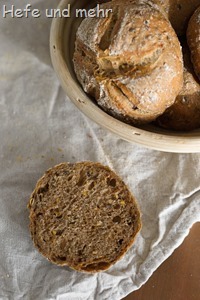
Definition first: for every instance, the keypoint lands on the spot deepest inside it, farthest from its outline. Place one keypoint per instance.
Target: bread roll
(83, 216)
(184, 114)
(130, 62)
(193, 39)
(179, 13)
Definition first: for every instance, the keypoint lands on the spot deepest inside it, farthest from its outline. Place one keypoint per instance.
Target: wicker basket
(62, 38)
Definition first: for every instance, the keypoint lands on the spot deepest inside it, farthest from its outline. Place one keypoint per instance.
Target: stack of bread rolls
(132, 62)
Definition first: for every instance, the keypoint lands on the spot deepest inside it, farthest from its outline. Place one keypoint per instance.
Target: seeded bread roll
(193, 39)
(83, 216)
(130, 62)
(184, 114)
(179, 13)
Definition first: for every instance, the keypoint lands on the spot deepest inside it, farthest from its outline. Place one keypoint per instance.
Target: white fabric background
(39, 128)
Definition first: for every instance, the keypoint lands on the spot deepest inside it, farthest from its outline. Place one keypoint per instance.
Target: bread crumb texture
(83, 216)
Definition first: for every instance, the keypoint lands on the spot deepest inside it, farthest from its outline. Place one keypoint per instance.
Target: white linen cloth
(40, 127)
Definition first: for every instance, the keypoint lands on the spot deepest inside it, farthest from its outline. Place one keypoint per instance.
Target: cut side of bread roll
(130, 62)
(83, 216)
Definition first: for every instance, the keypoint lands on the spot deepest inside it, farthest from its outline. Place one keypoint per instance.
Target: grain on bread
(193, 39)
(83, 216)
(130, 62)
(184, 114)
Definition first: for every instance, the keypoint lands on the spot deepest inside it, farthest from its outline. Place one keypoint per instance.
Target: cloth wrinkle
(52, 101)
(107, 158)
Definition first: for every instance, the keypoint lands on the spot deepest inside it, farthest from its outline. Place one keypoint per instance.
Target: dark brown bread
(193, 39)
(83, 216)
(184, 114)
(179, 13)
(128, 61)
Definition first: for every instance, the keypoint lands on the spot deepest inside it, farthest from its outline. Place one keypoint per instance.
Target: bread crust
(193, 39)
(179, 13)
(184, 114)
(129, 60)
(59, 220)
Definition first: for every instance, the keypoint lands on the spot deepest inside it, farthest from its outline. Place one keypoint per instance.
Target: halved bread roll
(83, 216)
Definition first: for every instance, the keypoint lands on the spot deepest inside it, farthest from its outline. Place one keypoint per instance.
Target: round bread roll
(83, 216)
(130, 62)
(193, 39)
(184, 114)
(179, 12)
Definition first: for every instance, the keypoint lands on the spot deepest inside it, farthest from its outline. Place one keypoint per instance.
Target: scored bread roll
(193, 39)
(184, 114)
(130, 62)
(83, 216)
